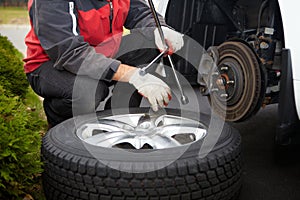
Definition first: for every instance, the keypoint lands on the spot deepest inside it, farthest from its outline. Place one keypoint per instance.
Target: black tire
(71, 172)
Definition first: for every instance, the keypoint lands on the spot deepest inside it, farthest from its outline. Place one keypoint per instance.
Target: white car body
(161, 6)
(289, 11)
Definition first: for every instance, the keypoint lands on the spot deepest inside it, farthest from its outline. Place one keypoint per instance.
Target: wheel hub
(228, 84)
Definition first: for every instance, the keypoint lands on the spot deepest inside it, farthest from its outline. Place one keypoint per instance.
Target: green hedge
(19, 148)
(21, 127)
(12, 76)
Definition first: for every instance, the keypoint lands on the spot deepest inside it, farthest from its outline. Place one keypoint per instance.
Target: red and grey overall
(80, 38)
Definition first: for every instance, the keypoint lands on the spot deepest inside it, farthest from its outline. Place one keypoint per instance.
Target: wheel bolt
(224, 68)
(224, 95)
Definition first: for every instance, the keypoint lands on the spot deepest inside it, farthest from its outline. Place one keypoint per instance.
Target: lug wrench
(143, 70)
(184, 98)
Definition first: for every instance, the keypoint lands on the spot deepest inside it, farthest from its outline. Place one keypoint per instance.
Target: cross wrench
(184, 98)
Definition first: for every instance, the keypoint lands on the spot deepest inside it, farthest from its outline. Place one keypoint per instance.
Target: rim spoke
(172, 130)
(116, 123)
(108, 139)
(171, 120)
(105, 126)
(136, 142)
(161, 142)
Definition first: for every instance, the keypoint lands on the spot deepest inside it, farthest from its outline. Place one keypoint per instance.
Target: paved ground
(16, 34)
(266, 176)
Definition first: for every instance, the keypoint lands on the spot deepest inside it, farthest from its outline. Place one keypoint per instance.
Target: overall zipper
(111, 15)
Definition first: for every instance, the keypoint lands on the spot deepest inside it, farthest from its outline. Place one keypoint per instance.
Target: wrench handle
(143, 71)
(184, 98)
(157, 22)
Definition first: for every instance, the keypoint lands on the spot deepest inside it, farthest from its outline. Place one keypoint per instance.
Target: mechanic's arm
(56, 27)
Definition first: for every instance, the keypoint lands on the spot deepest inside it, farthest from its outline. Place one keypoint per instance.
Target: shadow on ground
(269, 172)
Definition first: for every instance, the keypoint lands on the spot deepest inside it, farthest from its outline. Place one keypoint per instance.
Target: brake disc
(237, 86)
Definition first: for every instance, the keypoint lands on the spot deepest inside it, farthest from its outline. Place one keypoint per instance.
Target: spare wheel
(141, 156)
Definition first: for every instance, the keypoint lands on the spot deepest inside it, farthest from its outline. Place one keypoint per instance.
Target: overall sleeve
(55, 24)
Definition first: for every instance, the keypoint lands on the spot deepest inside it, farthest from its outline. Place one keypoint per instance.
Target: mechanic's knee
(87, 99)
(82, 101)
(57, 110)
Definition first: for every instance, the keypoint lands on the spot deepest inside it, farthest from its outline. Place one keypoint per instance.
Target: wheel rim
(142, 131)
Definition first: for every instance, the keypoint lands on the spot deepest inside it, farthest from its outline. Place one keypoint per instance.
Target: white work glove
(173, 39)
(154, 89)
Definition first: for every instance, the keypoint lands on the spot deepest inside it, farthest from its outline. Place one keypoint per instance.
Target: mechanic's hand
(154, 89)
(174, 40)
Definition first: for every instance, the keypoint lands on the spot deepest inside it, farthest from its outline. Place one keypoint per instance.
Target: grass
(34, 103)
(14, 15)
